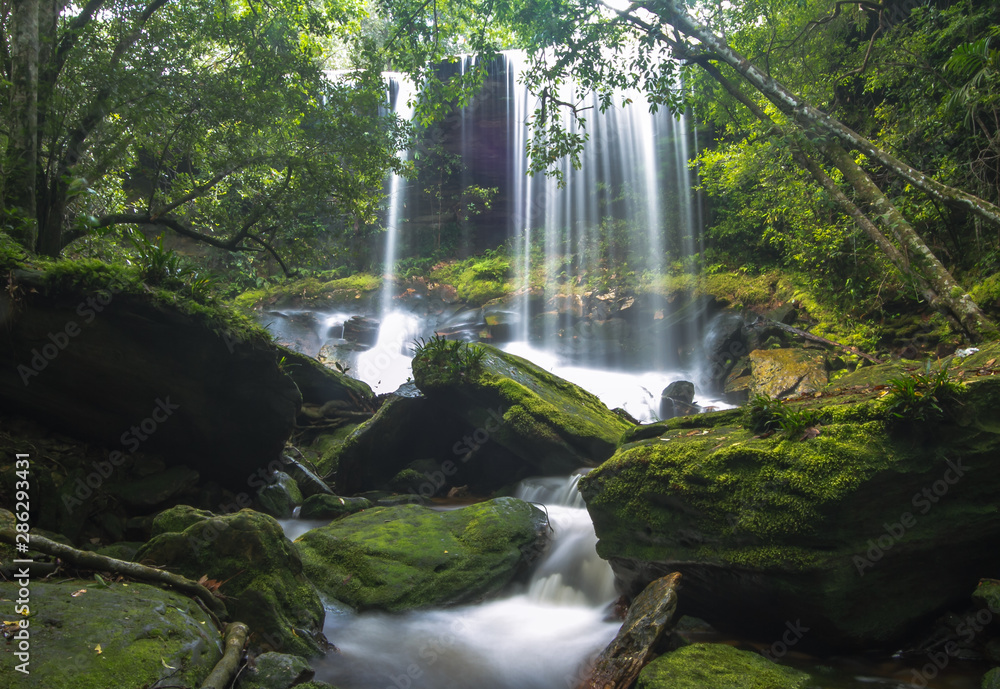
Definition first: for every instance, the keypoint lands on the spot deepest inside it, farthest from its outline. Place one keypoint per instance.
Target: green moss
(987, 293)
(478, 279)
(125, 635)
(720, 667)
(404, 557)
(311, 292)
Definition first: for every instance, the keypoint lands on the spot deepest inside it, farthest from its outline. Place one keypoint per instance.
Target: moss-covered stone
(781, 373)
(331, 506)
(987, 594)
(260, 573)
(319, 384)
(177, 519)
(861, 532)
(313, 292)
(991, 680)
(121, 635)
(718, 666)
(550, 423)
(275, 671)
(280, 496)
(405, 557)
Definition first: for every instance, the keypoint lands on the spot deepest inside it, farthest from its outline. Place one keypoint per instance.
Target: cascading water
(401, 93)
(540, 637)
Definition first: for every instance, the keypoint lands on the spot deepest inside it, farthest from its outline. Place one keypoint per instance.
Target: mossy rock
(261, 575)
(718, 666)
(275, 671)
(125, 635)
(987, 594)
(780, 373)
(319, 384)
(331, 506)
(324, 451)
(178, 518)
(550, 423)
(837, 531)
(406, 557)
(280, 496)
(991, 680)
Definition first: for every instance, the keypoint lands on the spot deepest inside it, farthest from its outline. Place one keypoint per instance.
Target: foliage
(452, 358)
(923, 395)
(155, 263)
(765, 415)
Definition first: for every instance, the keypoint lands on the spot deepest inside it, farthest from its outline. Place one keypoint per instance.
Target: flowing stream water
(539, 636)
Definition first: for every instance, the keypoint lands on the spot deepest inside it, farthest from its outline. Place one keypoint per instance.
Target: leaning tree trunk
(951, 293)
(964, 313)
(812, 119)
(22, 148)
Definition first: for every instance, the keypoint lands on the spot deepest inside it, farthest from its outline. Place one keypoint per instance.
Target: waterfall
(401, 92)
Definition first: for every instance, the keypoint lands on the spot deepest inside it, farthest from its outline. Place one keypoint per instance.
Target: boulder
(677, 399)
(991, 680)
(553, 425)
(91, 352)
(331, 506)
(84, 634)
(649, 616)
(275, 671)
(279, 496)
(718, 666)
(361, 330)
(780, 373)
(680, 390)
(259, 571)
(320, 384)
(406, 557)
(859, 533)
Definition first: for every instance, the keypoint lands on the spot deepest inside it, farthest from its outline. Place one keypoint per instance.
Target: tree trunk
(22, 147)
(965, 314)
(951, 293)
(812, 120)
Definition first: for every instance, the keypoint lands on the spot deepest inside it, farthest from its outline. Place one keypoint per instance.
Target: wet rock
(680, 390)
(548, 422)
(319, 384)
(827, 531)
(406, 557)
(720, 667)
(280, 496)
(84, 635)
(145, 373)
(259, 570)
(780, 373)
(275, 671)
(361, 330)
(331, 506)
(649, 616)
(677, 400)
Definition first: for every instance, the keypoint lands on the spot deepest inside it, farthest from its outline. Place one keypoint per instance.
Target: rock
(992, 650)
(125, 635)
(144, 370)
(275, 671)
(319, 384)
(156, 489)
(361, 330)
(280, 496)
(177, 519)
(991, 680)
(331, 506)
(987, 594)
(860, 533)
(406, 557)
(260, 574)
(782, 373)
(403, 430)
(738, 382)
(680, 391)
(718, 666)
(324, 451)
(548, 422)
(649, 616)
(308, 482)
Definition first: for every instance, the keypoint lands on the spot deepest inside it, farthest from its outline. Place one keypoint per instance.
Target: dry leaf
(991, 362)
(169, 667)
(809, 433)
(78, 593)
(98, 649)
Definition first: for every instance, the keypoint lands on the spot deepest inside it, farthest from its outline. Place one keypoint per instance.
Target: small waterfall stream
(539, 637)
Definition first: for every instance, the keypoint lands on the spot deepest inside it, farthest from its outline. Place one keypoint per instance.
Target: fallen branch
(815, 338)
(224, 671)
(89, 560)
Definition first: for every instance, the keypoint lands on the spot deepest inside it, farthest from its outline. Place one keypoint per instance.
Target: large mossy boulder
(320, 384)
(857, 530)
(718, 666)
(91, 351)
(782, 373)
(259, 570)
(406, 557)
(548, 422)
(117, 636)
